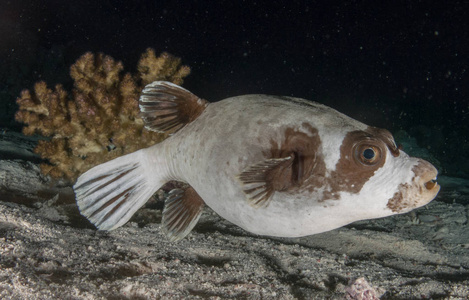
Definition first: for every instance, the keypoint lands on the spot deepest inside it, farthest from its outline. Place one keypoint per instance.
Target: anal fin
(182, 210)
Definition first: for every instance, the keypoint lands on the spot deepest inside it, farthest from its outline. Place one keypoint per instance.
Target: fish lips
(427, 182)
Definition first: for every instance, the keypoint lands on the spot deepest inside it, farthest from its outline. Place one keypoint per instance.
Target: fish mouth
(419, 192)
(431, 184)
(428, 185)
(428, 182)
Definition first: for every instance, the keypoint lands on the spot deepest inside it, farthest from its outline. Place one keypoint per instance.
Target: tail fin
(110, 193)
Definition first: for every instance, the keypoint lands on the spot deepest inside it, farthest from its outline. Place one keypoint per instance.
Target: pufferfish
(274, 166)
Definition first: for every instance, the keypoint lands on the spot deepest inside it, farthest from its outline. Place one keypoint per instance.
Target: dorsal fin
(167, 107)
(261, 180)
(181, 212)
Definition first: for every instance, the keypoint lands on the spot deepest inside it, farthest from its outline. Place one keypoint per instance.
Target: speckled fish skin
(276, 166)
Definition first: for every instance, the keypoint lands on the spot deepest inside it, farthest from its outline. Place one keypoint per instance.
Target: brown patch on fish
(304, 148)
(409, 196)
(352, 171)
(303, 166)
(386, 137)
(397, 203)
(287, 167)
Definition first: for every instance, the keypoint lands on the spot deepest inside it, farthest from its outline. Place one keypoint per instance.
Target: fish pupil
(369, 154)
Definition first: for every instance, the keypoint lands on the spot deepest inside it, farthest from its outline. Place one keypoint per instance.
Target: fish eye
(367, 154)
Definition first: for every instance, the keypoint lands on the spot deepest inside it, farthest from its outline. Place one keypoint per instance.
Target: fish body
(276, 166)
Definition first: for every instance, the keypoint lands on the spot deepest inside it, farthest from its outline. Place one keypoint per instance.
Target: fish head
(376, 177)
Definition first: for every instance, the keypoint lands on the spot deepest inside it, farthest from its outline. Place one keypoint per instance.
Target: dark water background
(392, 64)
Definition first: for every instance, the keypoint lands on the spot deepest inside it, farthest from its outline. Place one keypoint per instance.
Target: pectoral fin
(261, 180)
(182, 210)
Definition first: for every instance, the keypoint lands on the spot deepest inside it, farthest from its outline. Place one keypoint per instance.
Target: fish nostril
(430, 184)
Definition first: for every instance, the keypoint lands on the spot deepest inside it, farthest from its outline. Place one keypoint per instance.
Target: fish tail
(110, 193)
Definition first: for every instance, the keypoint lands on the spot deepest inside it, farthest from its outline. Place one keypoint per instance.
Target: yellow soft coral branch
(165, 67)
(98, 121)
